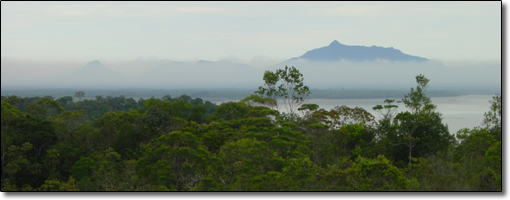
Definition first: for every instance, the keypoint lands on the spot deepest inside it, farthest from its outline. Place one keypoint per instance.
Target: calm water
(458, 112)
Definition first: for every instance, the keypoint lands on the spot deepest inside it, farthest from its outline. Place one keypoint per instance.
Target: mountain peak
(93, 73)
(94, 62)
(334, 43)
(336, 51)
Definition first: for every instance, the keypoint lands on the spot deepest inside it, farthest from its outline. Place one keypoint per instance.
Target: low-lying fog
(167, 74)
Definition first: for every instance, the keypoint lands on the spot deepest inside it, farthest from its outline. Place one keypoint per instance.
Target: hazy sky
(257, 33)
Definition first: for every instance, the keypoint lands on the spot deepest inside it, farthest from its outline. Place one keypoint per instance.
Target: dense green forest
(188, 144)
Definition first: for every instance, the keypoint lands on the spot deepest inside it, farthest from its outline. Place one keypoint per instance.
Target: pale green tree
(286, 84)
(79, 95)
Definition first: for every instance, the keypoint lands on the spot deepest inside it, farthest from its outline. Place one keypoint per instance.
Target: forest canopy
(188, 144)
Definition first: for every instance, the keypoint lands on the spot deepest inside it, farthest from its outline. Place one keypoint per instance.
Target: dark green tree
(176, 160)
(420, 131)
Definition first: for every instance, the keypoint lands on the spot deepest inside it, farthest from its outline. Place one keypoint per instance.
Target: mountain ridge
(336, 51)
(377, 69)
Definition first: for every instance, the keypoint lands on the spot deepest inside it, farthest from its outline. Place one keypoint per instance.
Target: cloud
(355, 10)
(233, 58)
(466, 62)
(194, 9)
(432, 9)
(209, 31)
(128, 10)
(75, 10)
(264, 61)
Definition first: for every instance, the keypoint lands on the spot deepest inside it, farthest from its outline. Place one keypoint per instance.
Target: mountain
(336, 51)
(93, 68)
(361, 67)
(334, 66)
(93, 73)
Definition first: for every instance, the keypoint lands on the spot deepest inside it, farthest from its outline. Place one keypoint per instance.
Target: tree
(418, 103)
(56, 185)
(408, 124)
(493, 118)
(364, 174)
(255, 100)
(102, 170)
(376, 174)
(286, 84)
(229, 111)
(43, 108)
(386, 117)
(421, 130)
(65, 101)
(79, 95)
(176, 160)
(308, 109)
(416, 100)
(343, 115)
(244, 159)
(391, 109)
(299, 175)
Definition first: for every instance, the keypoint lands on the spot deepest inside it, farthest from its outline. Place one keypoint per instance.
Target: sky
(255, 33)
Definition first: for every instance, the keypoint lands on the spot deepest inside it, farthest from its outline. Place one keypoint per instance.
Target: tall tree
(286, 84)
(416, 100)
(391, 110)
(420, 131)
(493, 118)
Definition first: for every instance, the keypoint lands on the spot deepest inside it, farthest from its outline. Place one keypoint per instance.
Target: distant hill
(336, 51)
(93, 73)
(93, 68)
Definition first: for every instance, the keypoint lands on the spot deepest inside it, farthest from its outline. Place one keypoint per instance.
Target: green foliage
(185, 144)
(9, 111)
(20, 167)
(416, 100)
(493, 161)
(244, 158)
(256, 100)
(100, 171)
(179, 159)
(270, 181)
(197, 113)
(493, 118)
(208, 184)
(299, 175)
(390, 111)
(475, 142)
(376, 174)
(364, 174)
(56, 185)
(286, 84)
(342, 115)
(43, 108)
(420, 132)
(229, 111)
